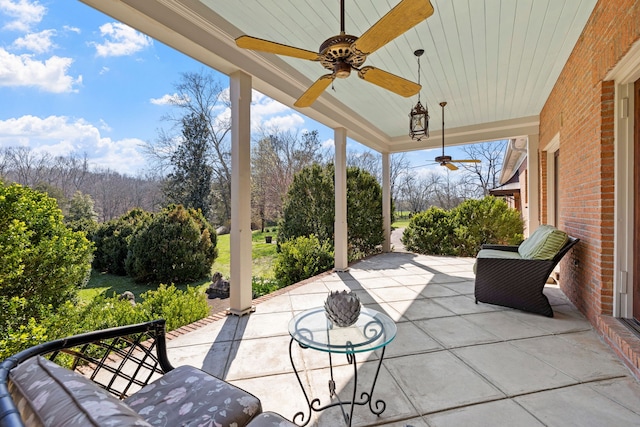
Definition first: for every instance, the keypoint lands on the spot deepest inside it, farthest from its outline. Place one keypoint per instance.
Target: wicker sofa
(119, 377)
(515, 276)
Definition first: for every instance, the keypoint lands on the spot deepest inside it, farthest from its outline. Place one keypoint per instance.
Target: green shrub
(302, 258)
(262, 286)
(309, 209)
(178, 245)
(488, 220)
(464, 229)
(178, 307)
(112, 240)
(43, 260)
(18, 332)
(430, 232)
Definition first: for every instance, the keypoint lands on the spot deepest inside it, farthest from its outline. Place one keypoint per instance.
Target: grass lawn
(401, 219)
(112, 284)
(263, 256)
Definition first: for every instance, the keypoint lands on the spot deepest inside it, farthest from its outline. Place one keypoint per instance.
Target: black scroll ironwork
(373, 331)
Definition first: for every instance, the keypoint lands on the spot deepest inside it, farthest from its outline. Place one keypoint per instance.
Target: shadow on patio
(452, 363)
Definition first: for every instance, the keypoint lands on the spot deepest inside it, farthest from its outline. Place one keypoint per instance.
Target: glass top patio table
(372, 330)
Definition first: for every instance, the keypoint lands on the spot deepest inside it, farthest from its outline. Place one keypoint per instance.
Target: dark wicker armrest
(509, 248)
(121, 360)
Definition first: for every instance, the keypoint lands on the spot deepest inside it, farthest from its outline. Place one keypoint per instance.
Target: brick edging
(223, 314)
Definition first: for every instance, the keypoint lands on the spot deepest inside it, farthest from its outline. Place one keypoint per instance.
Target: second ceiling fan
(342, 53)
(446, 160)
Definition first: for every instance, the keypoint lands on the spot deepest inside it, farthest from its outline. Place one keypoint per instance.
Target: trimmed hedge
(178, 245)
(464, 229)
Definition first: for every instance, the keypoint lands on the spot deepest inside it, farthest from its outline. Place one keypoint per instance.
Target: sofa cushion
(187, 396)
(496, 253)
(49, 395)
(543, 244)
(270, 419)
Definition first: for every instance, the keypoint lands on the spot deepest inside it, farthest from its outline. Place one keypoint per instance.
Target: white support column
(240, 286)
(341, 260)
(533, 184)
(386, 202)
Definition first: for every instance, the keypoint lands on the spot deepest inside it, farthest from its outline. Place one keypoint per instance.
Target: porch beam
(341, 262)
(240, 283)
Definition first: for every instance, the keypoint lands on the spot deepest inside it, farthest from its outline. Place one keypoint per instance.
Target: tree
(309, 209)
(450, 190)
(417, 191)
(61, 177)
(276, 158)
(200, 95)
(80, 213)
(372, 162)
(177, 245)
(189, 182)
(486, 174)
(43, 261)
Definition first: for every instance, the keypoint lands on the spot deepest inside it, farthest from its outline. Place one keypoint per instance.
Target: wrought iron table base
(365, 398)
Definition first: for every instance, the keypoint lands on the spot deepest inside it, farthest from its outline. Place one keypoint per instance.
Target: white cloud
(72, 29)
(283, 123)
(328, 143)
(24, 14)
(62, 136)
(49, 75)
(104, 70)
(120, 40)
(36, 42)
(167, 99)
(267, 114)
(105, 126)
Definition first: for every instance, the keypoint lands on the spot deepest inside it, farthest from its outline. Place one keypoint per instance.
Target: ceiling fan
(446, 160)
(342, 53)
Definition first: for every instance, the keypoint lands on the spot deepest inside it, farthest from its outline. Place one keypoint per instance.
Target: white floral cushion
(49, 395)
(187, 396)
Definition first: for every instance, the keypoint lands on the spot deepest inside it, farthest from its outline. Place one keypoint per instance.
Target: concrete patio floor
(452, 363)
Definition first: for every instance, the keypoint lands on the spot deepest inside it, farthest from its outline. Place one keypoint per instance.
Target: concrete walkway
(452, 363)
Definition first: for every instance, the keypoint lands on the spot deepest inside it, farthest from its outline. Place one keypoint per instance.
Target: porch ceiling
(494, 62)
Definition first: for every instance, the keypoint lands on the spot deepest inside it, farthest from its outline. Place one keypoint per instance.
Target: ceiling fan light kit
(419, 115)
(342, 53)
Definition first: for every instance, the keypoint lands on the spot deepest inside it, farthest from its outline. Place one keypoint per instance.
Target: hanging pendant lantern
(419, 116)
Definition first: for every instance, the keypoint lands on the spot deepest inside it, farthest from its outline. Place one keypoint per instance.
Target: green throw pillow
(543, 244)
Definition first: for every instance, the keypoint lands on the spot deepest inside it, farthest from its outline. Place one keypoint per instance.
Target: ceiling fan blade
(451, 166)
(254, 43)
(314, 91)
(389, 81)
(467, 161)
(406, 15)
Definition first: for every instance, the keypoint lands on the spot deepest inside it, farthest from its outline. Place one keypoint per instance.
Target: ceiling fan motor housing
(336, 55)
(443, 159)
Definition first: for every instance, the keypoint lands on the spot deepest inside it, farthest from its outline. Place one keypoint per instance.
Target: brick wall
(581, 109)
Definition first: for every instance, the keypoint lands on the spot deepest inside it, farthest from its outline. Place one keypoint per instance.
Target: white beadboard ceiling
(494, 61)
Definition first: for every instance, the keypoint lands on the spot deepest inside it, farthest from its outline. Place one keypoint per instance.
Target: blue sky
(74, 81)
